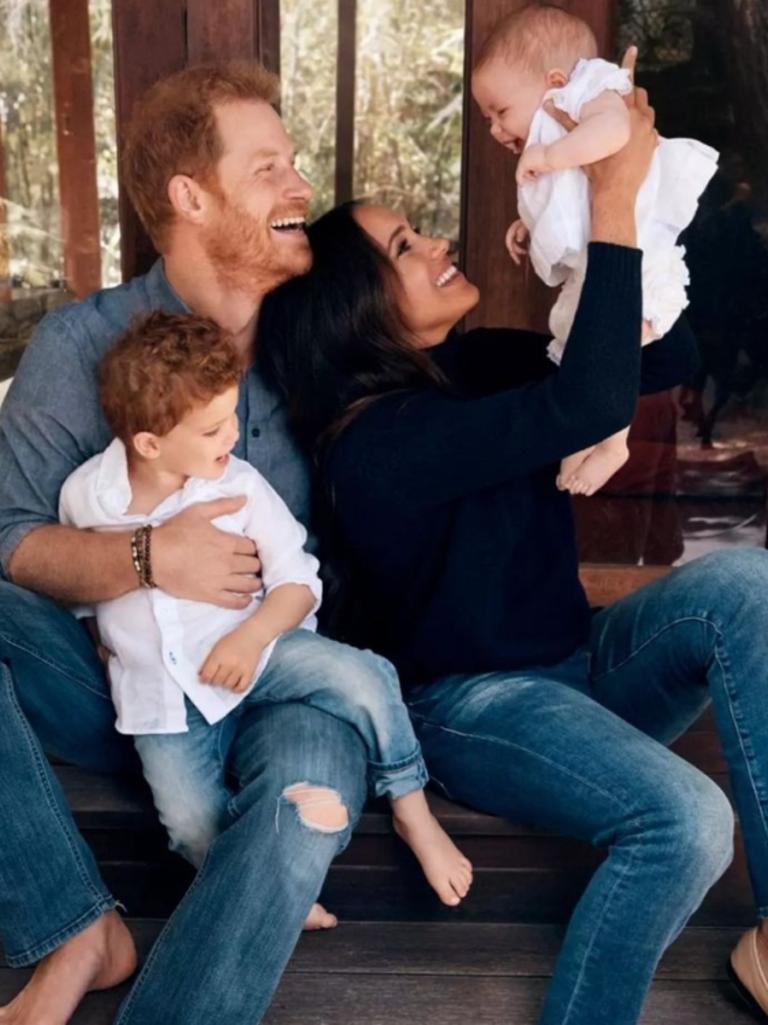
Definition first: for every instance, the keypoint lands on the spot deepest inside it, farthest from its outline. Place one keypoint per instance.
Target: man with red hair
(211, 173)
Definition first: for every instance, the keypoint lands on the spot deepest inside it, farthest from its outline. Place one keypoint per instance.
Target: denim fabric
(47, 432)
(578, 748)
(261, 875)
(187, 771)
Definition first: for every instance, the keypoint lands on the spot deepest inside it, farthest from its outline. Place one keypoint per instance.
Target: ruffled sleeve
(588, 80)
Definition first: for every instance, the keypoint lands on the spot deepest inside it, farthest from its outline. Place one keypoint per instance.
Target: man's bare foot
(99, 957)
(448, 872)
(599, 466)
(318, 918)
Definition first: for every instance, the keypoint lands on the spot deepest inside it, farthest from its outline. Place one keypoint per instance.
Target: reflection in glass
(697, 475)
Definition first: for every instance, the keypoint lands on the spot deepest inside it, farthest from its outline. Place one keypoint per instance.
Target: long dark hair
(332, 341)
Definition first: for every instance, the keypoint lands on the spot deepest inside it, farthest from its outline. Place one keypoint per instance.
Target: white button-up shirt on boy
(160, 642)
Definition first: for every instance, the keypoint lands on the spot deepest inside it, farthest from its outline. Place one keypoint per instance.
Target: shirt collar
(160, 291)
(112, 484)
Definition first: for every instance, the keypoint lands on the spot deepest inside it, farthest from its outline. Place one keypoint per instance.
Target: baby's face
(508, 98)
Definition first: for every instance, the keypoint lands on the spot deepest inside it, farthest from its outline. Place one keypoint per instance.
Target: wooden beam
(76, 144)
(346, 60)
(509, 296)
(606, 583)
(155, 39)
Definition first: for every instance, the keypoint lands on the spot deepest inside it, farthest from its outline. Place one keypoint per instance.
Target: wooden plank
(220, 31)
(399, 892)
(509, 295)
(76, 144)
(149, 42)
(502, 950)
(346, 999)
(346, 62)
(606, 583)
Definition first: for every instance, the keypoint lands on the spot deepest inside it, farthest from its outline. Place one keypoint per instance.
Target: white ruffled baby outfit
(556, 209)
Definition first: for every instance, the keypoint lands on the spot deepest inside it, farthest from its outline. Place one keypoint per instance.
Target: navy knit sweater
(460, 547)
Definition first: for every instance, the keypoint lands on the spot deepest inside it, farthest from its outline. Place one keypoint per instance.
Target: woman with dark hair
(436, 454)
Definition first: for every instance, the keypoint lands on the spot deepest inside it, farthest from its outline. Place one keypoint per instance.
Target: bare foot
(99, 957)
(570, 466)
(448, 872)
(318, 918)
(596, 469)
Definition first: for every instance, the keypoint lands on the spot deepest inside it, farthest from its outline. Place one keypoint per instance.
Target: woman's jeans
(221, 954)
(578, 748)
(188, 771)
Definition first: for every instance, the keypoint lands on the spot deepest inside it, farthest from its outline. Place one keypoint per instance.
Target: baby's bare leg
(599, 466)
(448, 872)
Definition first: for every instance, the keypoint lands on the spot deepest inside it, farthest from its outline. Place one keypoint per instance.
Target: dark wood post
(346, 61)
(76, 144)
(152, 40)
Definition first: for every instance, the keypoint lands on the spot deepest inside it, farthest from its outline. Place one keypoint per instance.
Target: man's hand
(533, 162)
(516, 241)
(193, 559)
(232, 661)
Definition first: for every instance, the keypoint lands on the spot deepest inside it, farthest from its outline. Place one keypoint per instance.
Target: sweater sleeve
(428, 448)
(671, 360)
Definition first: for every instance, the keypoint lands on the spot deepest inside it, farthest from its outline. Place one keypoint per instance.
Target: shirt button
(255, 432)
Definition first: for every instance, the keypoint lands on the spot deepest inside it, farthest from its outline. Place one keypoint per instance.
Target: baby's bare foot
(318, 918)
(596, 469)
(448, 872)
(99, 957)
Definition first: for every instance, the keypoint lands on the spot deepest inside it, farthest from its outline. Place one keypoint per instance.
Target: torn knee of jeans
(319, 808)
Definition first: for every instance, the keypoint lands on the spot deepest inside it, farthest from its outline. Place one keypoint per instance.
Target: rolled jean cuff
(30, 956)
(399, 778)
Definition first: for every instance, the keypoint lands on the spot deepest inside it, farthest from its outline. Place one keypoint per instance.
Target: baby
(181, 671)
(542, 53)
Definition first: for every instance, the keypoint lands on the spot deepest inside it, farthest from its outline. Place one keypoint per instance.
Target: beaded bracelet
(141, 553)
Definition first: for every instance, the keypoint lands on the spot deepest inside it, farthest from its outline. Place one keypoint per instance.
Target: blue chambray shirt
(51, 420)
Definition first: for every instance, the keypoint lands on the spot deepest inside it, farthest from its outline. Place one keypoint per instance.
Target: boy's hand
(533, 161)
(516, 241)
(232, 661)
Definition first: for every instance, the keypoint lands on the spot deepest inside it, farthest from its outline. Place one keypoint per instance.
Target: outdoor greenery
(27, 112)
(408, 102)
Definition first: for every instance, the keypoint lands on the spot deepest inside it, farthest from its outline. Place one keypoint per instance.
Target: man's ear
(145, 444)
(556, 78)
(187, 198)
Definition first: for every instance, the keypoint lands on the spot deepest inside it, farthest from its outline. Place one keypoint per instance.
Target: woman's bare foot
(99, 957)
(448, 872)
(318, 918)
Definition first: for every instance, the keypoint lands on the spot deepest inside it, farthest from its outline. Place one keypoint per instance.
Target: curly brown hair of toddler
(161, 368)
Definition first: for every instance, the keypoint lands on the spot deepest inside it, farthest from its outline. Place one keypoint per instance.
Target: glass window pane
(696, 479)
(308, 34)
(408, 108)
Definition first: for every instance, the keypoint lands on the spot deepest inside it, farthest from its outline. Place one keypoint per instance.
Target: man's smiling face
(254, 228)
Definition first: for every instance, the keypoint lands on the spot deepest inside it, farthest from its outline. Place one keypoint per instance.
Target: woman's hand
(616, 179)
(627, 169)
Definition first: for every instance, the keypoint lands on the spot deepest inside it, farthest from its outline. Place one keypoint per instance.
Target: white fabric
(556, 208)
(160, 642)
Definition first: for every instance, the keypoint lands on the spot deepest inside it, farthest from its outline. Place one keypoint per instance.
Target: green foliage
(27, 110)
(408, 102)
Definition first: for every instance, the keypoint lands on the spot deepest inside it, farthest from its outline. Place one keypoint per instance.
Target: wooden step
(397, 974)
(521, 874)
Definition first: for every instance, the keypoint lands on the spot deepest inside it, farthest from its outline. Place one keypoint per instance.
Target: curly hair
(161, 368)
(173, 130)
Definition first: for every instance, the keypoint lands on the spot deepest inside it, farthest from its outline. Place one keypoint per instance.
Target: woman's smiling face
(433, 295)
